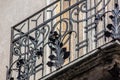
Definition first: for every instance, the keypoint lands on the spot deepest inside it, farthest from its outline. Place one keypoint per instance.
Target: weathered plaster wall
(12, 12)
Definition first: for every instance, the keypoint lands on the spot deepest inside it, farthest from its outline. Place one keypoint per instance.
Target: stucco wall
(12, 12)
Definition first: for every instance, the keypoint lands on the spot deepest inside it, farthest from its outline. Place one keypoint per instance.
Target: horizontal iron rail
(30, 37)
(47, 21)
(36, 13)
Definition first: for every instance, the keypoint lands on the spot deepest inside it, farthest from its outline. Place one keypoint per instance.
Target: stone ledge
(84, 64)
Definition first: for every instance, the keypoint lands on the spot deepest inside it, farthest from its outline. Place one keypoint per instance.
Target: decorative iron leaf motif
(56, 45)
(20, 63)
(11, 78)
(40, 52)
(113, 29)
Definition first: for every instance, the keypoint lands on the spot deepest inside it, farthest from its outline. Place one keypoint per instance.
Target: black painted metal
(41, 40)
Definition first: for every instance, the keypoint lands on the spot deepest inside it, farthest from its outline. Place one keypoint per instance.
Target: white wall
(12, 12)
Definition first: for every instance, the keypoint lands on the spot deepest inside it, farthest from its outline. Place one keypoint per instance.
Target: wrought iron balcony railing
(59, 34)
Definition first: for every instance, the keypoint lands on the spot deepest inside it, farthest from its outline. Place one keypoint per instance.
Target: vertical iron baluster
(35, 48)
(43, 57)
(78, 28)
(27, 51)
(87, 25)
(104, 23)
(11, 53)
(51, 24)
(95, 25)
(70, 36)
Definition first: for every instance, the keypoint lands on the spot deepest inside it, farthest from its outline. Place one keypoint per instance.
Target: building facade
(12, 12)
(67, 40)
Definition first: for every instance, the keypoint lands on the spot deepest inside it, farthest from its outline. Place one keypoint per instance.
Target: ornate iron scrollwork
(57, 40)
(60, 52)
(50, 35)
(113, 29)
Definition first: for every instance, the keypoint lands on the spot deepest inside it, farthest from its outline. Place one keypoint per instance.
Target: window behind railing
(56, 35)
